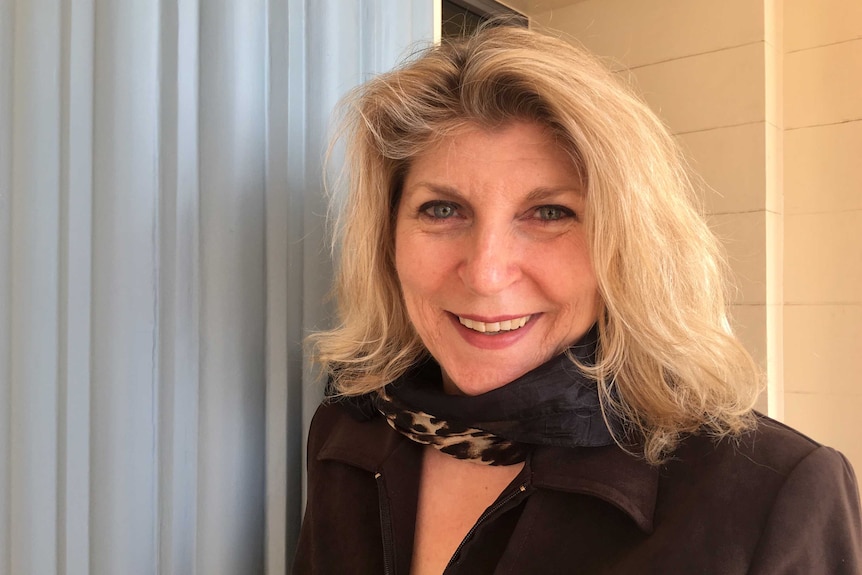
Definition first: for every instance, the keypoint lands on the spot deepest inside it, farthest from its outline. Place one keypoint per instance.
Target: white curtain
(162, 257)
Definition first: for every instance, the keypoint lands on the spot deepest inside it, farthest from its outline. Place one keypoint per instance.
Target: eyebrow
(443, 190)
(536, 195)
(542, 194)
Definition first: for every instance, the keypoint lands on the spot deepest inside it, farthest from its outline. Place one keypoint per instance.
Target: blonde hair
(669, 364)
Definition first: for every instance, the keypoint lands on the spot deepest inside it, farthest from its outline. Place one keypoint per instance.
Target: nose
(490, 262)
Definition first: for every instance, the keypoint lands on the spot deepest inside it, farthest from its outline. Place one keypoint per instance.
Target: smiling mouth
(492, 328)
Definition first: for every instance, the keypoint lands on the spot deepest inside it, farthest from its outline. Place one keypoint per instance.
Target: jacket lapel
(374, 446)
(609, 473)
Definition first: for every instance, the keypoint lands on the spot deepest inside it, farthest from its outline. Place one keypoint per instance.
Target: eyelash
(428, 210)
(564, 212)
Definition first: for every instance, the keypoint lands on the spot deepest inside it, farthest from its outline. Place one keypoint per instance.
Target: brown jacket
(775, 502)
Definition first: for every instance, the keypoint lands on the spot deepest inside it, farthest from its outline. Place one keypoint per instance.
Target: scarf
(555, 404)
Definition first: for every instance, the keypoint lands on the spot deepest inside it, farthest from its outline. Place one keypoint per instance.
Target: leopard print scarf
(450, 436)
(555, 404)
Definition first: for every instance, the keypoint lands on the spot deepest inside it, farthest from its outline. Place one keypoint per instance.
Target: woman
(533, 371)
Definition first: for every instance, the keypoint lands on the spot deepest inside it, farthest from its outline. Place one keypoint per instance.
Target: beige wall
(823, 221)
(766, 97)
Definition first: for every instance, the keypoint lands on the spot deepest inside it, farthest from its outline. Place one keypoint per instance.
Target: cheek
(424, 273)
(422, 263)
(407, 260)
(571, 281)
(411, 269)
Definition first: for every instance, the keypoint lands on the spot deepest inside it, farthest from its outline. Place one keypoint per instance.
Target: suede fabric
(774, 502)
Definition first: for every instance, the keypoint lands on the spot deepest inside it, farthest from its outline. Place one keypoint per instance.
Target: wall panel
(822, 86)
(823, 116)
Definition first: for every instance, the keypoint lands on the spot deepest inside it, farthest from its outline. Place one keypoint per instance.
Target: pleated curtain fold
(162, 257)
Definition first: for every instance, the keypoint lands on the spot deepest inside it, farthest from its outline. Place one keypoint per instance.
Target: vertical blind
(162, 256)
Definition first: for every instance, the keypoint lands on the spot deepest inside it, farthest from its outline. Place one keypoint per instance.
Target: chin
(474, 384)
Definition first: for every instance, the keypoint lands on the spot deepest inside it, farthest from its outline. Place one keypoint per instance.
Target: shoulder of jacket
(770, 448)
(331, 416)
(339, 433)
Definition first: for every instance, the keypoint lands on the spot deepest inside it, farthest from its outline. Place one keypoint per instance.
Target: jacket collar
(361, 439)
(608, 472)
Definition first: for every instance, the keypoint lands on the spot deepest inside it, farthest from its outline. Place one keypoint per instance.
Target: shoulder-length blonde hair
(669, 364)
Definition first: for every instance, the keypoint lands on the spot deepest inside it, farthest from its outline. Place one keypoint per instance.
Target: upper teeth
(494, 326)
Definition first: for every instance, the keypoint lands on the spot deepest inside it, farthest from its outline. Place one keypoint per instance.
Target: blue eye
(439, 210)
(553, 213)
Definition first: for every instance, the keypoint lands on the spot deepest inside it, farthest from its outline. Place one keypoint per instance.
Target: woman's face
(491, 253)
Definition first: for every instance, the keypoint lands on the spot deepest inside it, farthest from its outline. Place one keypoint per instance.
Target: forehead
(517, 152)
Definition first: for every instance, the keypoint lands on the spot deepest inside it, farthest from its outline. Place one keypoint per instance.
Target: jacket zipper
(385, 527)
(519, 491)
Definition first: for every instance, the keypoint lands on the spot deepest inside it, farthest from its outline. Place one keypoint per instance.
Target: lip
(492, 342)
(489, 319)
